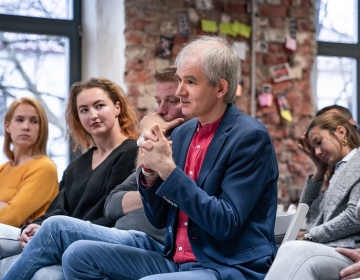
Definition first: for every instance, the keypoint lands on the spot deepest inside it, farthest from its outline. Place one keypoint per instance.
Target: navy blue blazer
(232, 205)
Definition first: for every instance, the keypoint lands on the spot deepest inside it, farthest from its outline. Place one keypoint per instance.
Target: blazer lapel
(185, 147)
(217, 143)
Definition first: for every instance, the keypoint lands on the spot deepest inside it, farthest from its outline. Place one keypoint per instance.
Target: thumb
(157, 131)
(173, 123)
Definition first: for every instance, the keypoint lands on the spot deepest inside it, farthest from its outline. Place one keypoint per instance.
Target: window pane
(336, 82)
(55, 9)
(36, 66)
(337, 21)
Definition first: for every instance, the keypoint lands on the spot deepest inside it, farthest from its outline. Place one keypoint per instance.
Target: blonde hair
(79, 136)
(40, 145)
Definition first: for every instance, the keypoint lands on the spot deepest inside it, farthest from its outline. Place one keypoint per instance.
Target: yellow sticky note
(286, 114)
(208, 25)
(242, 29)
(226, 28)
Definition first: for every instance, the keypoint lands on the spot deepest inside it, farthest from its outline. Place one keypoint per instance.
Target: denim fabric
(53, 272)
(57, 233)
(101, 260)
(299, 260)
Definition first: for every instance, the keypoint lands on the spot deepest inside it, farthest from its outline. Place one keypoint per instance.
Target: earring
(343, 142)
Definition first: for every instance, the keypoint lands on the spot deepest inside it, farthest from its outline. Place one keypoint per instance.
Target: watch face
(140, 139)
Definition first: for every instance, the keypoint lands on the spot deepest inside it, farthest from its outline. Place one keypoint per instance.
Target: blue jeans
(101, 260)
(57, 233)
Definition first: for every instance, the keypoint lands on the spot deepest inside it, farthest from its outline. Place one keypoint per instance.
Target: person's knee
(294, 248)
(78, 250)
(53, 272)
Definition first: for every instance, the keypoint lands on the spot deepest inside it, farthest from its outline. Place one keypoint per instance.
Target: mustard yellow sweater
(28, 189)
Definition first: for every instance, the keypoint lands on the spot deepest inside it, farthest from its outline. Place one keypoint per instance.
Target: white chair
(287, 225)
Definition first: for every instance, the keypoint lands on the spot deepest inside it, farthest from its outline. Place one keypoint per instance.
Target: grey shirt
(135, 220)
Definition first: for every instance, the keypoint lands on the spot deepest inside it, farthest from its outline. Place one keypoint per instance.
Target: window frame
(70, 28)
(61, 27)
(345, 50)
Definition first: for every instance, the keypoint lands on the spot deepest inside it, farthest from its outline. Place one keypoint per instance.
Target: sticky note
(290, 43)
(240, 49)
(208, 25)
(227, 28)
(286, 114)
(242, 29)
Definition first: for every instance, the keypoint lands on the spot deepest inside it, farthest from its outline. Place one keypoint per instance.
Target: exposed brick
(276, 23)
(133, 38)
(273, 11)
(282, 87)
(273, 60)
(302, 12)
(276, 48)
(305, 26)
(140, 77)
(235, 8)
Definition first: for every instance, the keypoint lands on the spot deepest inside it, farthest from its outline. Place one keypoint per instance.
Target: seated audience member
(123, 204)
(323, 169)
(100, 120)
(298, 260)
(331, 137)
(215, 191)
(29, 180)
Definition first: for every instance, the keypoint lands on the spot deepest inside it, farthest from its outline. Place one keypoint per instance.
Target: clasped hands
(27, 234)
(156, 153)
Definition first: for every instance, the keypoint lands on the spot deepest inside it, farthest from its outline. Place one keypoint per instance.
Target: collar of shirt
(211, 127)
(346, 158)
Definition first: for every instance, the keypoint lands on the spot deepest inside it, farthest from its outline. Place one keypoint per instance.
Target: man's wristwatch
(307, 237)
(140, 139)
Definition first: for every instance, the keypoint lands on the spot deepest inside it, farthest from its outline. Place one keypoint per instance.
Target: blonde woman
(28, 181)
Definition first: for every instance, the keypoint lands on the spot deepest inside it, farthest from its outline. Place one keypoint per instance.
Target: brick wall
(145, 22)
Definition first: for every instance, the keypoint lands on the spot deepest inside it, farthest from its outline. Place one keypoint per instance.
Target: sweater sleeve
(341, 226)
(38, 188)
(113, 209)
(311, 191)
(57, 207)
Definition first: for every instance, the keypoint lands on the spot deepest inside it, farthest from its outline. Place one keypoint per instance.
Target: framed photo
(165, 47)
(280, 72)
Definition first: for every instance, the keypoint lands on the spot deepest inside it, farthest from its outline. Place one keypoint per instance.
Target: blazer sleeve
(341, 226)
(251, 167)
(155, 207)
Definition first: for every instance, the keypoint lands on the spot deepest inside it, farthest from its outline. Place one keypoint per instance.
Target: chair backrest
(290, 224)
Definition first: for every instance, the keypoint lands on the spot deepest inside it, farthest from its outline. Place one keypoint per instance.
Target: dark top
(83, 191)
(135, 220)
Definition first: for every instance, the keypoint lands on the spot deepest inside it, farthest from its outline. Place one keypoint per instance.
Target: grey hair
(217, 59)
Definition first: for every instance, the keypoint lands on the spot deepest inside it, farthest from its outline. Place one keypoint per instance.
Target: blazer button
(170, 229)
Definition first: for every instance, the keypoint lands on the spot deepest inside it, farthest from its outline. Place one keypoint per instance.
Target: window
(40, 57)
(337, 65)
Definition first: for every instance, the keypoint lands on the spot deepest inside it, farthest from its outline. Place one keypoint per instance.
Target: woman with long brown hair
(100, 121)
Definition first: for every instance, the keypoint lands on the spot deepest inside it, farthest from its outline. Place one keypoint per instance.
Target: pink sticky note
(290, 43)
(265, 99)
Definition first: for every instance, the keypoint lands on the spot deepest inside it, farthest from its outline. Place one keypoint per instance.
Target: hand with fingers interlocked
(156, 152)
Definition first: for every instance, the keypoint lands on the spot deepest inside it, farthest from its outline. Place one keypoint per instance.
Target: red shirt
(194, 160)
